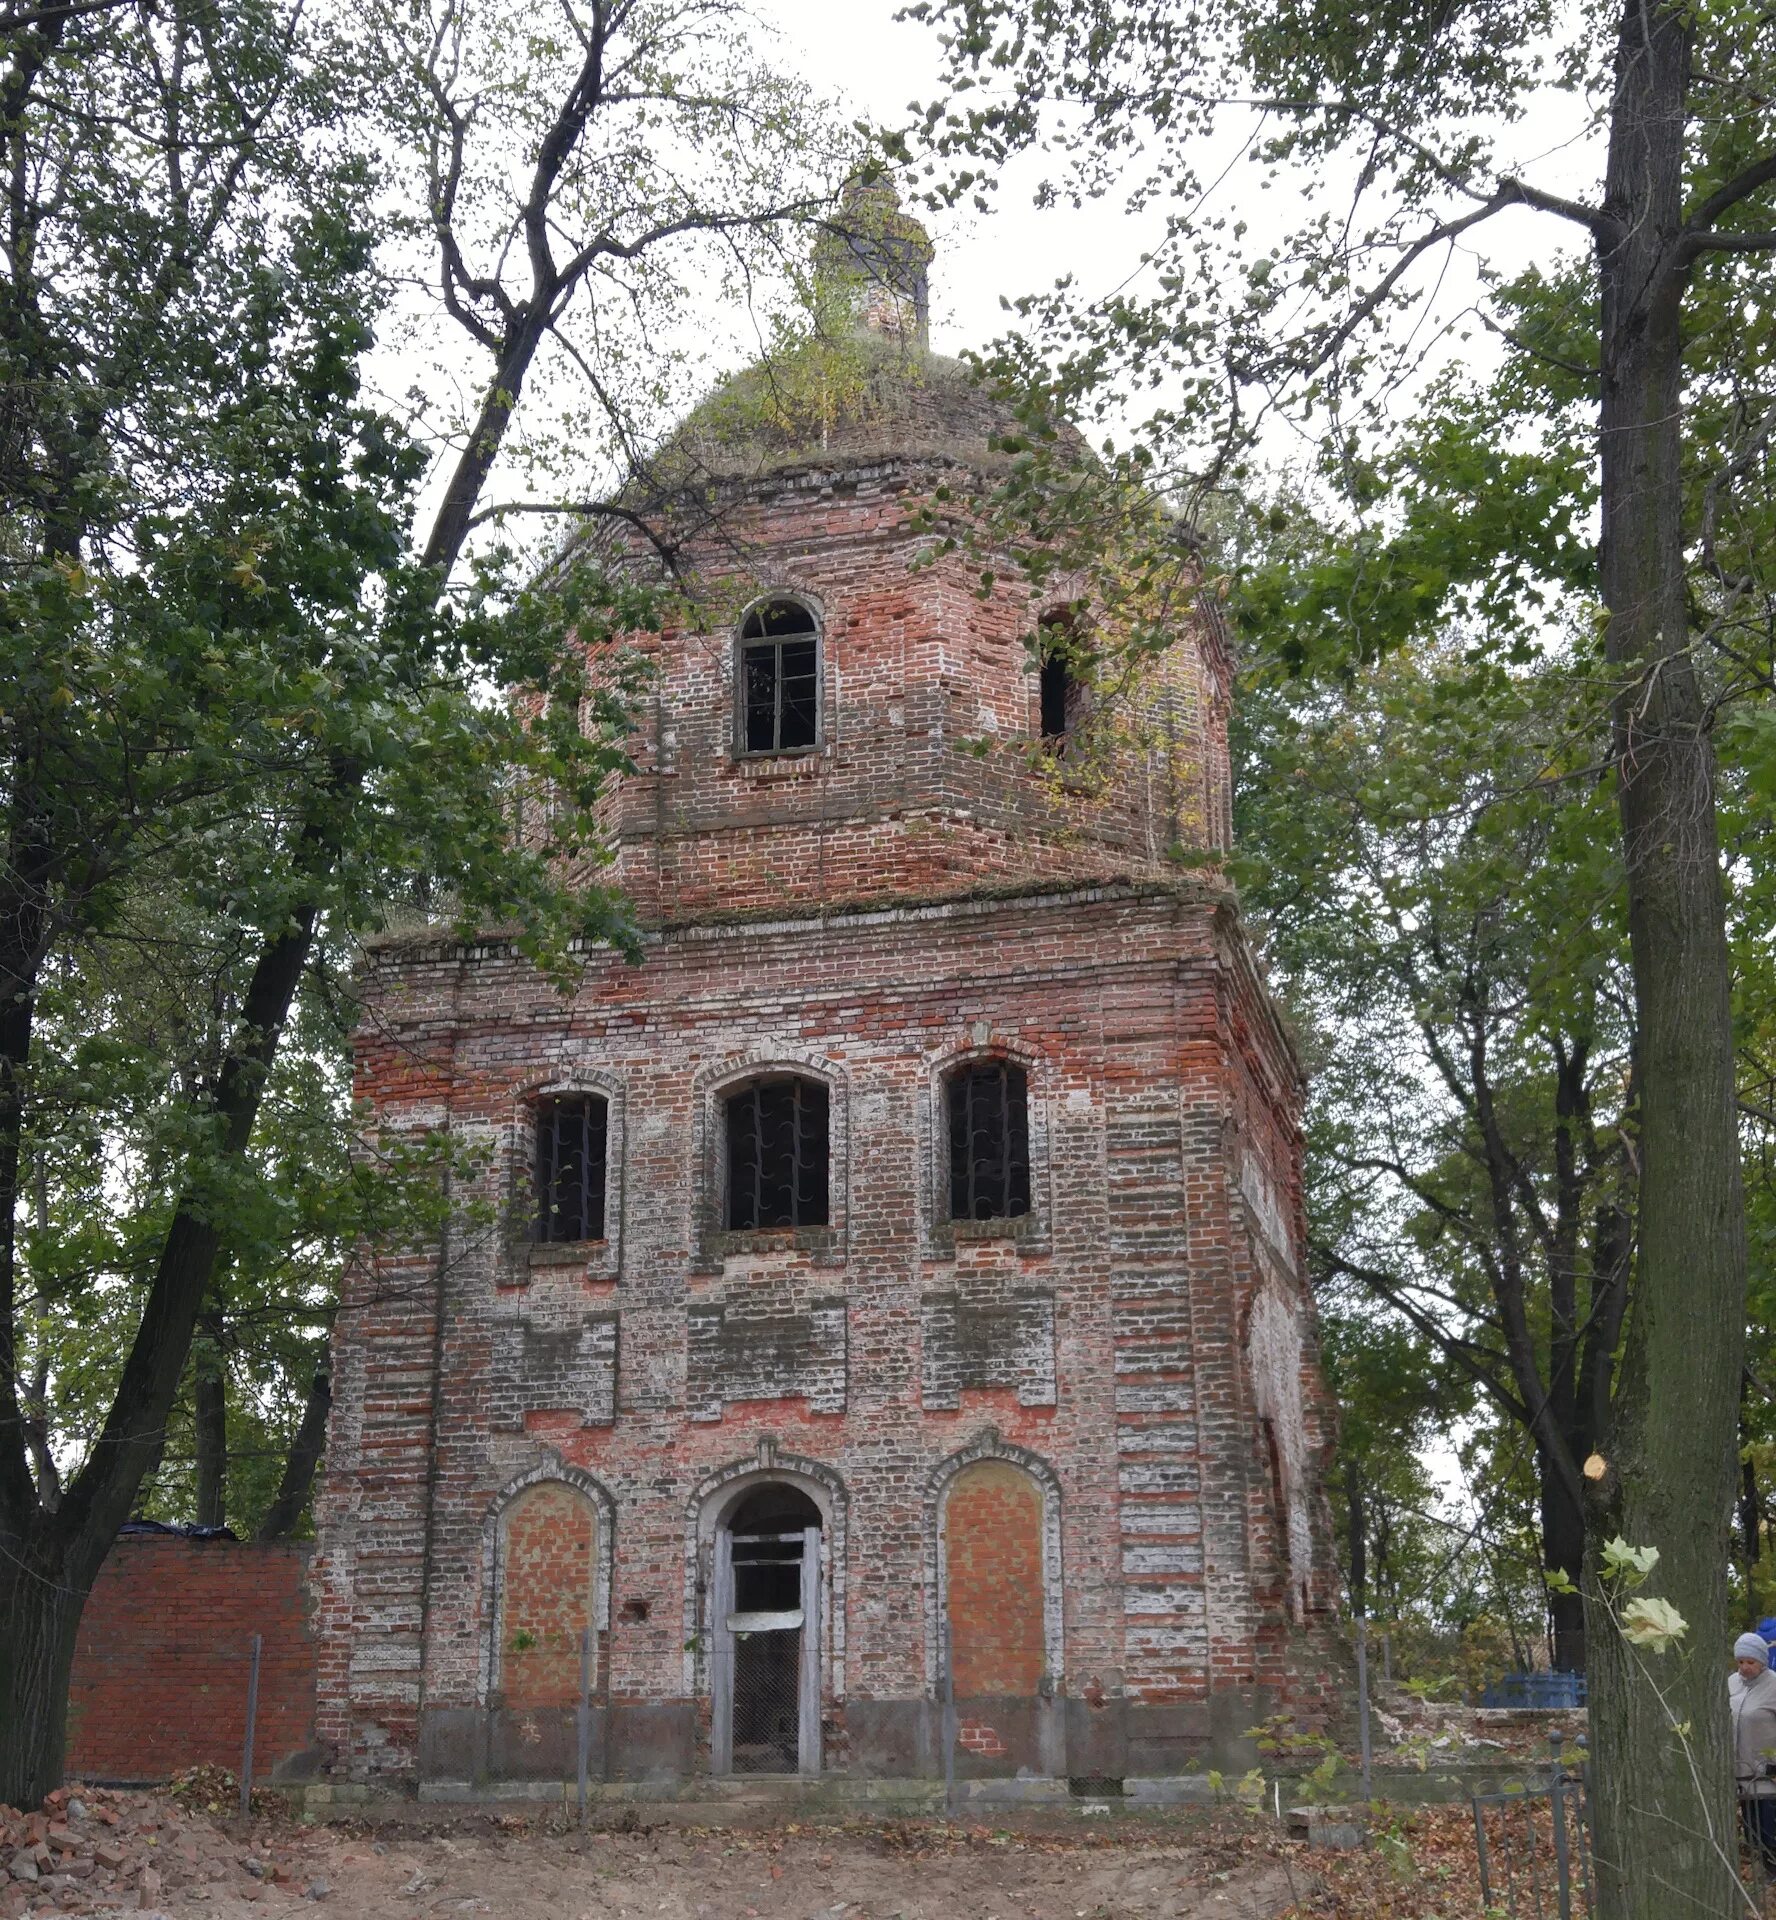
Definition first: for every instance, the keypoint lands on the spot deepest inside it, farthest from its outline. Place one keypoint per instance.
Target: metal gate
(765, 1652)
(1536, 1856)
(1535, 1847)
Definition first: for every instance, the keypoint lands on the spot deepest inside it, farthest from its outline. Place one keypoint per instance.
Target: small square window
(571, 1132)
(989, 1118)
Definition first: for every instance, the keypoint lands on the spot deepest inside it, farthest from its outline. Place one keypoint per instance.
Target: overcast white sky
(856, 49)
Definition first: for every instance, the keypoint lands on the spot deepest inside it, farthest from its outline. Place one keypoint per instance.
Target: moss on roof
(862, 401)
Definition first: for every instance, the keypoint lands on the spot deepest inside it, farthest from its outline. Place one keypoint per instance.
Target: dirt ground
(186, 1856)
(894, 1872)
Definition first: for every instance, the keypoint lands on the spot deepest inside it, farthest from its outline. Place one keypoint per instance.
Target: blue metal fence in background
(1536, 1690)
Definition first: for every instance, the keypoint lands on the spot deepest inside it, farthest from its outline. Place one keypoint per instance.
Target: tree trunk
(41, 1598)
(1357, 1536)
(304, 1458)
(1663, 1808)
(209, 1394)
(1563, 1551)
(1751, 1508)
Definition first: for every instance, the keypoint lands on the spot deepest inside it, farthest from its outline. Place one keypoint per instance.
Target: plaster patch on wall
(1273, 1353)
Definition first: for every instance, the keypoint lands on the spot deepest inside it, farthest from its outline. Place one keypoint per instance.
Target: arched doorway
(765, 1609)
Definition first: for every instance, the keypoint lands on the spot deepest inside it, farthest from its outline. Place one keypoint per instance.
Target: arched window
(1062, 684)
(571, 1132)
(989, 1119)
(779, 690)
(778, 1151)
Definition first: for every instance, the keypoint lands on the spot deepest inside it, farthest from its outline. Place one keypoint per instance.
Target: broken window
(1061, 686)
(989, 1141)
(779, 678)
(777, 1154)
(570, 1144)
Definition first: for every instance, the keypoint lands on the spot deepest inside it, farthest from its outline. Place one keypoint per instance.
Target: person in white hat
(1751, 1694)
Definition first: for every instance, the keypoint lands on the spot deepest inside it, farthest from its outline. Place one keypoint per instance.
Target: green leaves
(1627, 1565)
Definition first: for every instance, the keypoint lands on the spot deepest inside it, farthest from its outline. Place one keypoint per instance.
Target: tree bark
(42, 1592)
(1751, 1509)
(1666, 1840)
(303, 1461)
(1357, 1536)
(1563, 1551)
(51, 1559)
(209, 1393)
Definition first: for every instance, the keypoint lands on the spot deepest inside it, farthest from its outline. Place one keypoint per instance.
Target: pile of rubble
(91, 1851)
(1420, 1731)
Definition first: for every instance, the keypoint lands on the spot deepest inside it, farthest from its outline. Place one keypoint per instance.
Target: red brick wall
(161, 1665)
(993, 1573)
(547, 1580)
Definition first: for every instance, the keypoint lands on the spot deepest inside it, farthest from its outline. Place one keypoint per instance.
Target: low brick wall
(162, 1662)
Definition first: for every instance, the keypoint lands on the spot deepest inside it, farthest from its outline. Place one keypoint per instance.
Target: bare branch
(1716, 241)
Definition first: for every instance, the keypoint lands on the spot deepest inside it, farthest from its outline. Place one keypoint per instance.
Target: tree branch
(1742, 186)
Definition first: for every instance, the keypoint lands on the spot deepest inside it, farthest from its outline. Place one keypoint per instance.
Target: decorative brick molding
(989, 1336)
(735, 1355)
(567, 1368)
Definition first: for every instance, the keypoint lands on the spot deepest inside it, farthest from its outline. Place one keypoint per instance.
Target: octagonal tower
(877, 1324)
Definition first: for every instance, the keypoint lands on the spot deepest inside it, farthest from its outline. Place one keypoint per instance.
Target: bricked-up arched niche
(778, 678)
(548, 1554)
(995, 1518)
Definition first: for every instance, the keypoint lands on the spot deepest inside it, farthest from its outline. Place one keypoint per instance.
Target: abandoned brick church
(877, 1321)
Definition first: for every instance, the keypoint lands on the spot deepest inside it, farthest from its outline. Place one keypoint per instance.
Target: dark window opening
(779, 678)
(570, 1154)
(1062, 688)
(1057, 697)
(989, 1142)
(1278, 1485)
(777, 1155)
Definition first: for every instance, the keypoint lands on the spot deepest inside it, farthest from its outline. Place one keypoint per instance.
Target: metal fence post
(1363, 1707)
(583, 1717)
(246, 1778)
(1557, 1806)
(948, 1694)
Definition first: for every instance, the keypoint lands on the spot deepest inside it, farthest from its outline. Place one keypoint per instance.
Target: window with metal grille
(779, 679)
(777, 1154)
(570, 1148)
(989, 1142)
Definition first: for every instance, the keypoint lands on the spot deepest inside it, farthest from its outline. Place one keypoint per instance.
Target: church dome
(865, 401)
